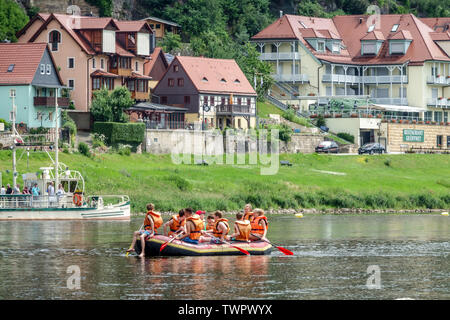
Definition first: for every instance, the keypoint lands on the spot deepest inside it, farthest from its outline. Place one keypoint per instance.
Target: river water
(335, 257)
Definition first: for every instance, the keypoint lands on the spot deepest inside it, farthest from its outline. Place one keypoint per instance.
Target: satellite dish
(73, 10)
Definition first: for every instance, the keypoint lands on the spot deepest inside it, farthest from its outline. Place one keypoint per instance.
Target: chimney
(360, 20)
(281, 13)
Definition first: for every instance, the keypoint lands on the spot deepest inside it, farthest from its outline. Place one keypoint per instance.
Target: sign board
(413, 135)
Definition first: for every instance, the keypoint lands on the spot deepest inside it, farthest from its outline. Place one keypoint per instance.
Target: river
(335, 257)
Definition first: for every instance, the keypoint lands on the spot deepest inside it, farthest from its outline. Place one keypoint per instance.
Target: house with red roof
(214, 92)
(92, 53)
(30, 81)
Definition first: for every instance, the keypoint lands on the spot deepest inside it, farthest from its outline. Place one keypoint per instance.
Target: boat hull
(116, 212)
(181, 248)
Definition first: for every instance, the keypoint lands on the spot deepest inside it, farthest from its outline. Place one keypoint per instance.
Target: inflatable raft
(181, 248)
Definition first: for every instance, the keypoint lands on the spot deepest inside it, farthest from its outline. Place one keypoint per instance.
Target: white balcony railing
(438, 102)
(291, 77)
(280, 56)
(341, 78)
(392, 101)
(438, 80)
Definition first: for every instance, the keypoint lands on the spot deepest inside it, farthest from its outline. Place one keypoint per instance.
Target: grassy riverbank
(406, 181)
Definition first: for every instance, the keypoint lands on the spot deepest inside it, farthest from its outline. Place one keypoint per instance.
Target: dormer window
(205, 79)
(11, 68)
(394, 28)
(321, 46)
(223, 80)
(303, 25)
(398, 46)
(237, 81)
(336, 47)
(369, 47)
(371, 28)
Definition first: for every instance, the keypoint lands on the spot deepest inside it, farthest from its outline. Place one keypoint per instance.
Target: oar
(240, 249)
(284, 250)
(167, 242)
(131, 245)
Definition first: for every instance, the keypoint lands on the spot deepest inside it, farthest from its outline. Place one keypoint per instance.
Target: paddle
(167, 242)
(132, 245)
(240, 249)
(284, 250)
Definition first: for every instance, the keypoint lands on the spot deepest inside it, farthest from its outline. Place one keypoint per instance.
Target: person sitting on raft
(193, 227)
(209, 223)
(175, 224)
(219, 231)
(248, 213)
(242, 229)
(259, 226)
(152, 222)
(201, 214)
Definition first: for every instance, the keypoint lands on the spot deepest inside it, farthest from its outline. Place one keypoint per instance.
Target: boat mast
(56, 141)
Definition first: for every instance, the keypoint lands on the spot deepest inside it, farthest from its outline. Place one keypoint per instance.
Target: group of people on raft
(190, 227)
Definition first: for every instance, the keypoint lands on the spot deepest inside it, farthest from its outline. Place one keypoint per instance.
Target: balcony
(391, 101)
(442, 80)
(50, 102)
(233, 109)
(291, 77)
(271, 56)
(341, 78)
(136, 95)
(439, 103)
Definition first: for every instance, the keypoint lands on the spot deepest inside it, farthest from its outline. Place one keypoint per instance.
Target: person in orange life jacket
(259, 226)
(152, 222)
(242, 229)
(201, 214)
(175, 224)
(248, 213)
(209, 223)
(193, 227)
(219, 231)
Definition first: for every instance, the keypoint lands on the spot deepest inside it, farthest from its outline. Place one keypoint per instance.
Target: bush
(321, 121)
(116, 133)
(346, 136)
(83, 148)
(8, 125)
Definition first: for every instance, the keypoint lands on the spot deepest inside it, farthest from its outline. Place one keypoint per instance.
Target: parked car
(372, 148)
(327, 147)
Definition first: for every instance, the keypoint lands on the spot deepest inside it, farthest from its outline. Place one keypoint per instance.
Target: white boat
(70, 204)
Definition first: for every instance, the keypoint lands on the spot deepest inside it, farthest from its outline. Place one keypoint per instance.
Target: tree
(170, 42)
(12, 19)
(109, 107)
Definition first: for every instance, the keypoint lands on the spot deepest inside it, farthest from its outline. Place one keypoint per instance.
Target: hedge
(121, 133)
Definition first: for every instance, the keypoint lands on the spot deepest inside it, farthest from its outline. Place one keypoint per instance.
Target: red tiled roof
(101, 73)
(374, 35)
(437, 24)
(440, 36)
(311, 33)
(122, 52)
(223, 75)
(91, 22)
(25, 57)
(135, 75)
(132, 26)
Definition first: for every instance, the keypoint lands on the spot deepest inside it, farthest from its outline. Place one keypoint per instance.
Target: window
(96, 83)
(42, 68)
(175, 68)
(211, 101)
(180, 82)
(397, 47)
(222, 101)
(54, 39)
(249, 101)
(438, 116)
(239, 101)
(93, 63)
(171, 82)
(158, 26)
(187, 99)
(371, 28)
(303, 25)
(223, 80)
(12, 93)
(439, 141)
(164, 100)
(336, 47)
(448, 141)
(49, 69)
(137, 66)
(434, 71)
(428, 115)
(50, 116)
(239, 123)
(71, 83)
(102, 63)
(205, 79)
(321, 46)
(152, 26)
(71, 63)
(205, 100)
(11, 68)
(369, 48)
(394, 28)
(274, 48)
(445, 116)
(237, 81)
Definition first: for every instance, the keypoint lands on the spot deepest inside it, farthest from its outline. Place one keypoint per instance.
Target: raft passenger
(193, 227)
(248, 213)
(175, 224)
(220, 229)
(242, 229)
(259, 226)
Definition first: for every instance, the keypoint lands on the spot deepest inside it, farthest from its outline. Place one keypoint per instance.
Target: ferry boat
(70, 204)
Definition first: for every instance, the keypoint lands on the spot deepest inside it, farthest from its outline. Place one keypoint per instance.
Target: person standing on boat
(60, 192)
(193, 227)
(175, 224)
(51, 194)
(35, 190)
(3, 191)
(16, 189)
(259, 226)
(9, 189)
(248, 213)
(152, 222)
(242, 229)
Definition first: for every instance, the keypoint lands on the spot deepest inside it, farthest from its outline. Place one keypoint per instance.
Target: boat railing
(28, 201)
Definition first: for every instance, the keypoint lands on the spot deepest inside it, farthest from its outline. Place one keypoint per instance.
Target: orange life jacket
(198, 226)
(218, 233)
(210, 226)
(249, 216)
(256, 227)
(244, 228)
(176, 224)
(157, 221)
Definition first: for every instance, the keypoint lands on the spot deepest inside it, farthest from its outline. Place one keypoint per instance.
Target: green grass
(265, 108)
(410, 181)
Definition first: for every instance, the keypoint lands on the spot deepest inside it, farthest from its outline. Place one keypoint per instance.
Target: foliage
(8, 125)
(291, 116)
(311, 8)
(346, 136)
(12, 19)
(170, 42)
(83, 148)
(321, 121)
(105, 7)
(121, 133)
(110, 107)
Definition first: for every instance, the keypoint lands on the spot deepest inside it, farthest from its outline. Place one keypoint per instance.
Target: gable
(48, 78)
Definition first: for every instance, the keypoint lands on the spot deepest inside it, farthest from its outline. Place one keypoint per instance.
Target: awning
(395, 108)
(51, 86)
